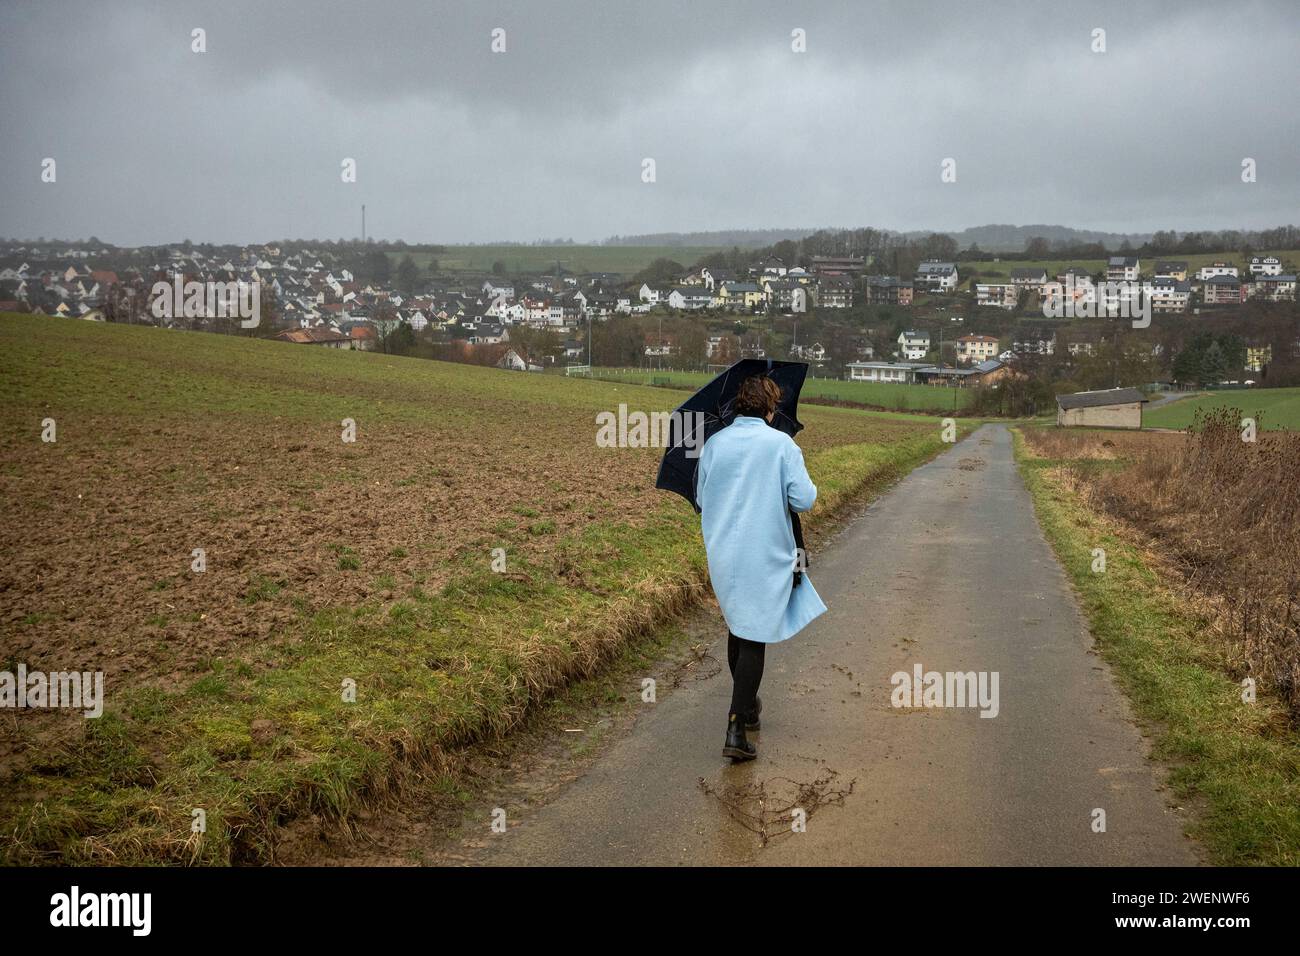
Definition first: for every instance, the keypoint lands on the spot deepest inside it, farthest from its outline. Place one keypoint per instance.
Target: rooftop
(1108, 396)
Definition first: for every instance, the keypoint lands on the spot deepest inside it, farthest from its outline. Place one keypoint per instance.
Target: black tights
(745, 658)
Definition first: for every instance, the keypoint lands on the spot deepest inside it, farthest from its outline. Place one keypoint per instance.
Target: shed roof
(1108, 396)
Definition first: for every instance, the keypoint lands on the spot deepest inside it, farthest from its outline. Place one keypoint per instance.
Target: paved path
(1156, 399)
(949, 570)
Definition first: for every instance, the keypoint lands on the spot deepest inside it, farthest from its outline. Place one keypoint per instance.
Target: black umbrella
(711, 409)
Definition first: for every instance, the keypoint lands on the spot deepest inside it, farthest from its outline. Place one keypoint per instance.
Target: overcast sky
(455, 143)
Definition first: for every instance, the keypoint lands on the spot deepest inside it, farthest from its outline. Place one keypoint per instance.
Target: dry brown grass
(1226, 513)
(1096, 444)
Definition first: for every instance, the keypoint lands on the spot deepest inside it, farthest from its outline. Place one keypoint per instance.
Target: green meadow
(1273, 408)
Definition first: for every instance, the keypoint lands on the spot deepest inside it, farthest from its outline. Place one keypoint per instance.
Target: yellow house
(739, 295)
(1257, 356)
(1172, 269)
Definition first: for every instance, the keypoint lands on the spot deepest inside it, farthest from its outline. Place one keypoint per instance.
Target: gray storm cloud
(456, 143)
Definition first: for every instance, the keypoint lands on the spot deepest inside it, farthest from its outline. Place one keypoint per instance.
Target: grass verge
(1236, 764)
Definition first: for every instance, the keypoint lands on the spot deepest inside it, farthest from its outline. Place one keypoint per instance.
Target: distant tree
(692, 342)
(407, 276)
(1038, 248)
(1164, 241)
(1214, 366)
(1234, 352)
(618, 341)
(498, 268)
(377, 267)
(727, 350)
(1209, 358)
(938, 245)
(269, 314)
(401, 340)
(787, 250)
(660, 271)
(714, 260)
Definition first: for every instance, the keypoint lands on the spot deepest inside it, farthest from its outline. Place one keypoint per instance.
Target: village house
(327, 337)
(1206, 273)
(889, 290)
(745, 296)
(690, 298)
(781, 294)
(364, 338)
(488, 333)
(1223, 290)
(936, 276)
(1171, 269)
(1257, 356)
(713, 277)
(976, 348)
(1033, 341)
(1123, 269)
(990, 372)
(1274, 288)
(1112, 296)
(1029, 278)
(902, 373)
(838, 265)
(1169, 294)
(913, 345)
(512, 361)
(1073, 287)
(1265, 266)
(810, 353)
(996, 294)
(836, 292)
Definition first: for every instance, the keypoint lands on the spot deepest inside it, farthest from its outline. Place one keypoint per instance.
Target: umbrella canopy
(711, 409)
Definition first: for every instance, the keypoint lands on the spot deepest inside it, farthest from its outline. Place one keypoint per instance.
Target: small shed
(1107, 408)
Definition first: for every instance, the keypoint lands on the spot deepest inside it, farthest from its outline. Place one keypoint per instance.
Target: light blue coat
(749, 479)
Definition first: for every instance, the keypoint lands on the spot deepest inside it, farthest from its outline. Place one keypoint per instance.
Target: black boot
(751, 719)
(737, 747)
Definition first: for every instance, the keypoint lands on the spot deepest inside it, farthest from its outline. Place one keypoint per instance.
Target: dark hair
(758, 396)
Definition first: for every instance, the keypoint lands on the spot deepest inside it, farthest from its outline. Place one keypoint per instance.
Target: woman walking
(750, 478)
